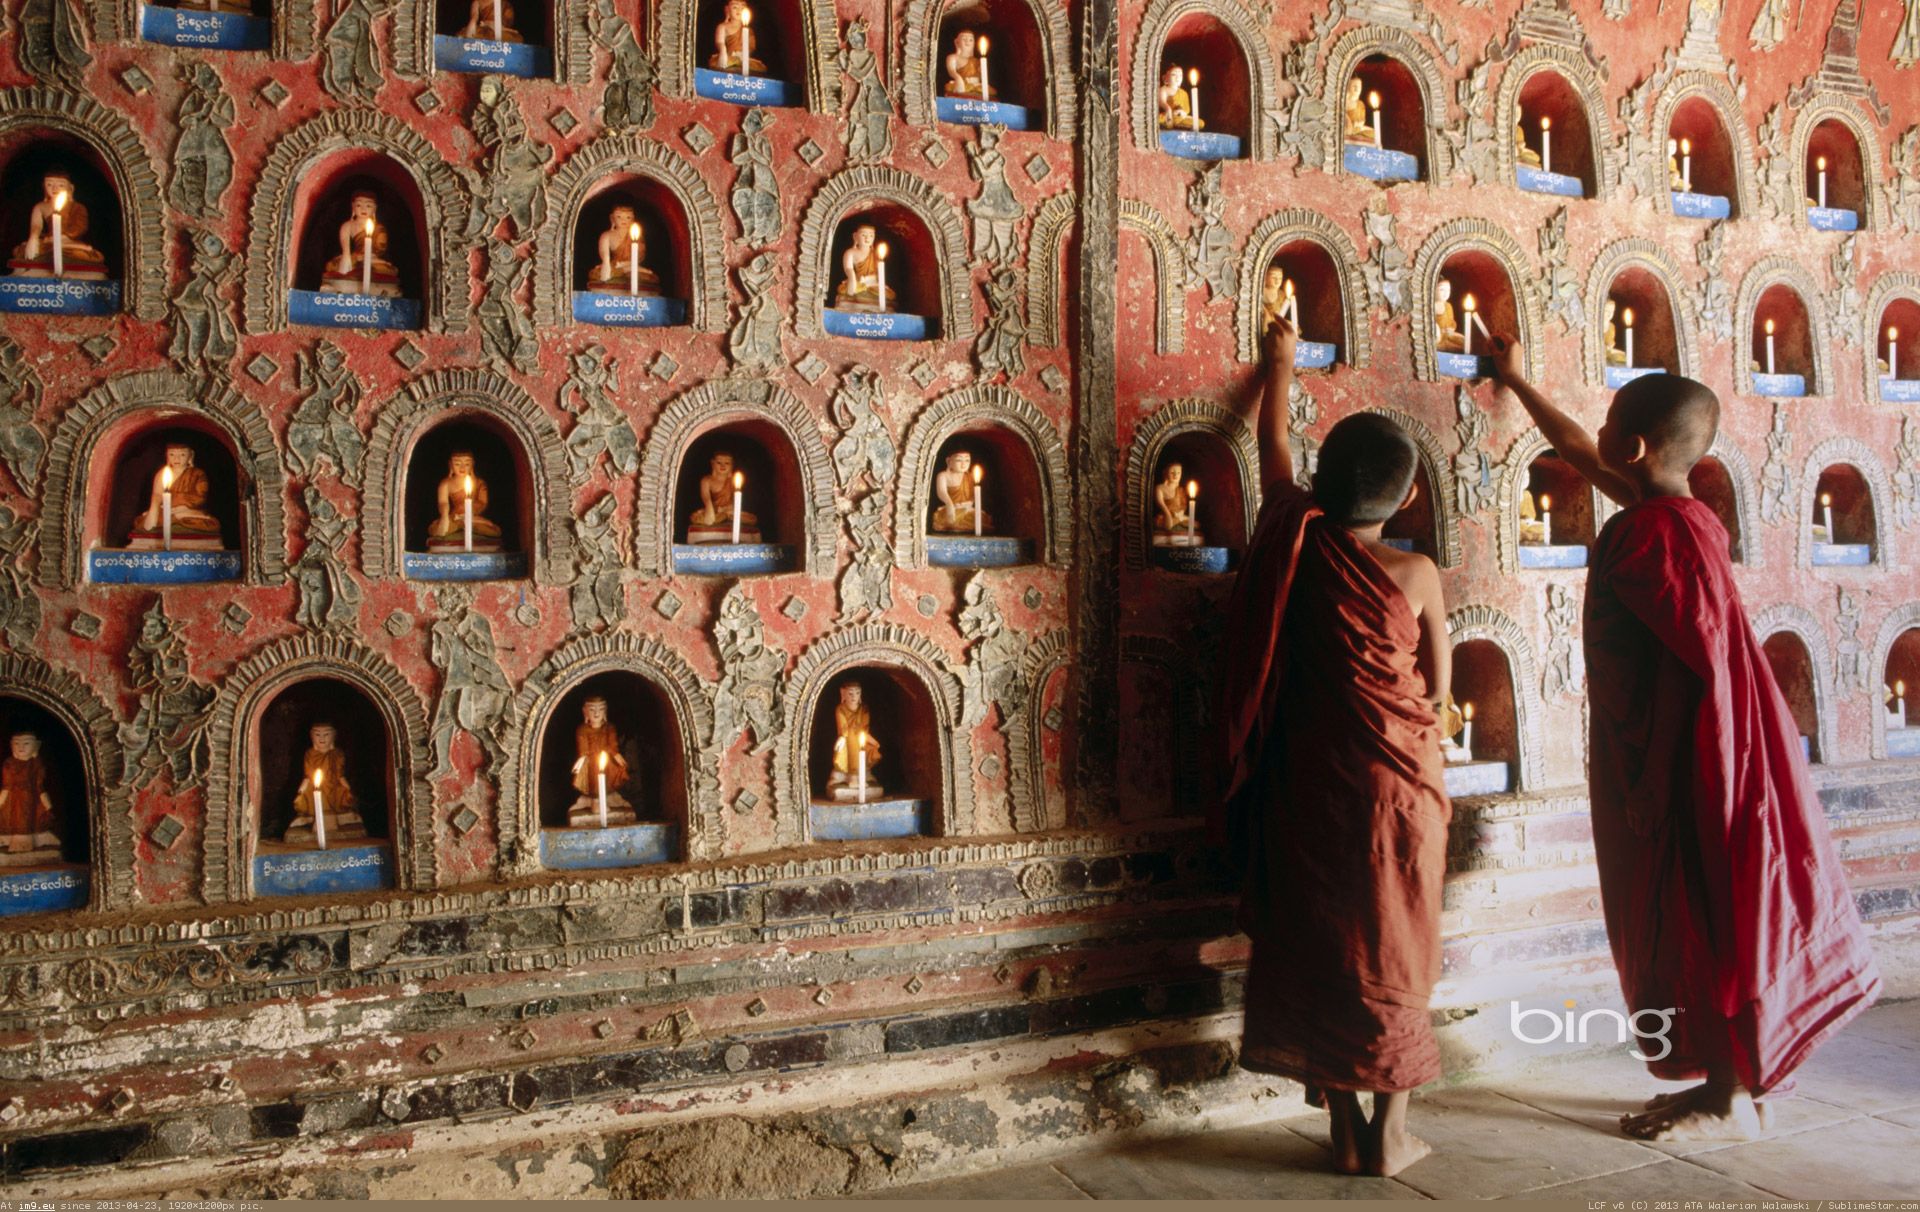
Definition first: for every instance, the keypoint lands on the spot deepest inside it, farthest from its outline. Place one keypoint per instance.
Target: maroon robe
(1334, 796)
(1724, 897)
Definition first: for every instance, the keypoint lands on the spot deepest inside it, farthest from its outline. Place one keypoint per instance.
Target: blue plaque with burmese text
(1477, 778)
(627, 311)
(207, 31)
(1379, 163)
(59, 297)
(1779, 385)
(1201, 145)
(351, 311)
(1899, 391)
(364, 866)
(1535, 555)
(965, 551)
(1903, 742)
(464, 565)
(876, 325)
(43, 891)
(731, 559)
(1842, 555)
(1193, 561)
(1832, 218)
(161, 567)
(1700, 206)
(455, 54)
(1537, 181)
(1313, 355)
(877, 818)
(971, 111)
(1463, 366)
(744, 90)
(1620, 376)
(592, 849)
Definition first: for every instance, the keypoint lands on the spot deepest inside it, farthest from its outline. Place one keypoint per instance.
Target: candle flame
(466, 485)
(369, 226)
(1467, 303)
(1193, 76)
(1466, 711)
(1893, 334)
(979, 473)
(1820, 163)
(982, 43)
(1546, 123)
(1686, 147)
(1193, 490)
(319, 777)
(603, 759)
(880, 250)
(166, 479)
(1626, 317)
(1769, 327)
(60, 200)
(746, 15)
(1289, 284)
(1826, 498)
(860, 740)
(739, 480)
(633, 232)
(1546, 503)
(1373, 100)
(1899, 690)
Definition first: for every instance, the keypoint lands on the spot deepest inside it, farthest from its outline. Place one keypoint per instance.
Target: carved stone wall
(1478, 235)
(1898, 284)
(1855, 454)
(1149, 41)
(1486, 623)
(921, 52)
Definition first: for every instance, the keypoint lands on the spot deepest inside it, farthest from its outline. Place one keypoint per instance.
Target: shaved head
(1676, 416)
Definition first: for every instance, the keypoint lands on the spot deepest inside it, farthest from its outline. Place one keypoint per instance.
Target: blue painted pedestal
(972, 112)
(627, 311)
(1463, 366)
(593, 849)
(1534, 555)
(1379, 163)
(1314, 355)
(1200, 145)
(455, 54)
(1779, 385)
(1534, 181)
(965, 551)
(1619, 376)
(876, 325)
(44, 890)
(1198, 561)
(1832, 218)
(1806, 748)
(744, 90)
(207, 31)
(876, 818)
(1899, 391)
(731, 559)
(1903, 742)
(464, 566)
(162, 567)
(1842, 555)
(1478, 778)
(1700, 206)
(59, 297)
(365, 866)
(351, 311)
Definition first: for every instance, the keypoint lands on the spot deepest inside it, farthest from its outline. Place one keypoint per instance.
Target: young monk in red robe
(1337, 657)
(1723, 896)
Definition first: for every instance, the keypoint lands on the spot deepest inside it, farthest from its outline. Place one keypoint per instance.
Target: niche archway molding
(619, 154)
(980, 406)
(1150, 43)
(1438, 465)
(677, 37)
(1481, 236)
(445, 394)
(1746, 499)
(96, 734)
(1887, 288)
(890, 646)
(1645, 255)
(1801, 623)
(1479, 622)
(231, 824)
(1275, 232)
(1572, 66)
(1903, 619)
(518, 815)
(1150, 440)
(1513, 472)
(1765, 274)
(1047, 266)
(1821, 107)
(1858, 455)
(261, 489)
(846, 193)
(1712, 88)
(1345, 57)
(920, 75)
(1169, 273)
(1026, 732)
(703, 409)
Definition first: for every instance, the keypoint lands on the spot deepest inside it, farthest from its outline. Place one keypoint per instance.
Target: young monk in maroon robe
(1338, 656)
(1724, 898)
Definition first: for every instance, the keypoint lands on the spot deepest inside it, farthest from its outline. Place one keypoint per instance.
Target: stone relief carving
(513, 188)
(1560, 675)
(51, 42)
(322, 434)
(1387, 265)
(475, 696)
(865, 448)
(598, 596)
(1906, 39)
(168, 730)
(1305, 118)
(23, 447)
(1849, 656)
(19, 605)
(204, 331)
(1716, 298)
(328, 597)
(202, 157)
(1906, 474)
(1905, 186)
(748, 695)
(506, 330)
(1778, 195)
(599, 427)
(1476, 145)
(868, 124)
(996, 211)
(1564, 298)
(1303, 413)
(756, 190)
(1844, 302)
(1473, 484)
(627, 103)
(1001, 348)
(1776, 475)
(866, 587)
(754, 343)
(1047, 264)
(1210, 257)
(992, 675)
(349, 63)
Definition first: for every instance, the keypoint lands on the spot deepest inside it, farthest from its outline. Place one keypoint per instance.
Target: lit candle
(499, 24)
(633, 258)
(1193, 97)
(880, 273)
(59, 239)
(739, 482)
(1893, 353)
(746, 19)
(1769, 346)
(1820, 166)
(1373, 103)
(466, 504)
(1686, 165)
(860, 739)
(1291, 309)
(984, 91)
(1826, 514)
(603, 788)
(979, 473)
(1466, 729)
(366, 261)
(1626, 327)
(319, 809)
(1193, 496)
(1900, 704)
(1546, 145)
(1467, 305)
(166, 508)
(1546, 520)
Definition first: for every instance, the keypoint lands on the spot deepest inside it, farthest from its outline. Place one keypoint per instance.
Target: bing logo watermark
(1538, 1025)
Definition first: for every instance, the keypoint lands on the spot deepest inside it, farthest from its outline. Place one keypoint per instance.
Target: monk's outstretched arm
(1436, 647)
(1276, 456)
(1569, 438)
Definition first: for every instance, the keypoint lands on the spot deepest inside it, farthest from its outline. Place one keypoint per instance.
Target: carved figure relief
(868, 130)
(1477, 149)
(514, 187)
(1563, 284)
(866, 587)
(475, 696)
(1001, 347)
(168, 730)
(22, 446)
(756, 191)
(506, 330)
(321, 433)
(1210, 256)
(1473, 484)
(754, 343)
(1776, 476)
(1770, 24)
(328, 596)
(627, 103)
(1388, 267)
(1559, 676)
(52, 41)
(1906, 38)
(1849, 655)
(1906, 474)
(996, 210)
(19, 607)
(1844, 302)
(202, 157)
(350, 66)
(204, 330)
(748, 694)
(1716, 296)
(1303, 412)
(599, 427)
(992, 677)
(598, 597)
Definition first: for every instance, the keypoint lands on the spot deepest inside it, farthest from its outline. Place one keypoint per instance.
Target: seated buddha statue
(79, 260)
(448, 532)
(1522, 154)
(1176, 108)
(1358, 131)
(1532, 529)
(853, 733)
(237, 7)
(954, 488)
(595, 742)
(346, 273)
(713, 521)
(1610, 337)
(480, 22)
(1675, 182)
(860, 273)
(1446, 326)
(963, 68)
(734, 28)
(1172, 510)
(193, 528)
(323, 785)
(27, 820)
(621, 244)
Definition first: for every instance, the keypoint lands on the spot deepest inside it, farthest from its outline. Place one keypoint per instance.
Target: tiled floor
(1851, 1132)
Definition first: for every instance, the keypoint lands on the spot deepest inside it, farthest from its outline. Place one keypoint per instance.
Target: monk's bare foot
(1349, 1129)
(1395, 1151)
(1671, 1097)
(1707, 1113)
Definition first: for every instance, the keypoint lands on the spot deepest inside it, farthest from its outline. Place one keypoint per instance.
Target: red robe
(1724, 897)
(1334, 795)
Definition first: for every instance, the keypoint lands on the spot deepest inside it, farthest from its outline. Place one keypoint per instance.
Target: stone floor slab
(1860, 1159)
(1263, 1162)
(1675, 1179)
(1014, 1182)
(1858, 1070)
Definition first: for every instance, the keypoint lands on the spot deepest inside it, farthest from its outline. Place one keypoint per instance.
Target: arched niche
(241, 770)
(280, 738)
(1556, 82)
(796, 38)
(1169, 273)
(1836, 135)
(1010, 491)
(674, 717)
(1531, 466)
(1413, 94)
(930, 755)
(1319, 257)
(1724, 480)
(1038, 753)
(911, 254)
(499, 462)
(1780, 290)
(1638, 274)
(1429, 522)
(325, 200)
(27, 158)
(1239, 81)
(82, 460)
(774, 487)
(1026, 437)
(1800, 665)
(82, 733)
(102, 139)
(1048, 264)
(525, 432)
(940, 265)
(1480, 257)
(1031, 60)
(1893, 303)
(1896, 655)
(1493, 660)
(671, 187)
(1843, 476)
(709, 407)
(120, 475)
(1701, 108)
(1215, 447)
(650, 748)
(294, 191)
(292, 25)
(532, 19)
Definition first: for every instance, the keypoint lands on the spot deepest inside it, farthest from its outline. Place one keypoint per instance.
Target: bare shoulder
(1414, 573)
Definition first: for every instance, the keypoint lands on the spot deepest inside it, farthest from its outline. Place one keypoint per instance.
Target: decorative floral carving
(1563, 285)
(992, 675)
(1561, 676)
(1387, 265)
(51, 42)
(19, 605)
(1716, 300)
(350, 64)
(506, 331)
(599, 427)
(1473, 486)
(1843, 301)
(1776, 476)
